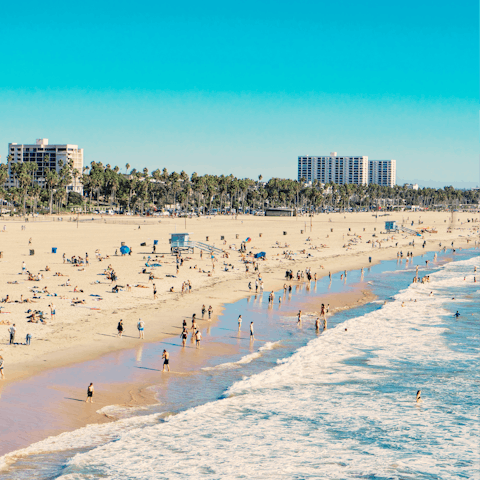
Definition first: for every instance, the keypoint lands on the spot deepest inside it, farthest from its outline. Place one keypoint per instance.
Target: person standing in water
(252, 336)
(317, 324)
(239, 322)
(184, 336)
(90, 391)
(203, 311)
(198, 338)
(165, 357)
(419, 396)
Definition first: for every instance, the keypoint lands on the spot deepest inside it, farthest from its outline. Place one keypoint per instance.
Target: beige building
(58, 155)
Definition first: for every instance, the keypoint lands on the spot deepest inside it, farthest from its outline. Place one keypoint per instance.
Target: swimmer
(165, 357)
(457, 314)
(317, 324)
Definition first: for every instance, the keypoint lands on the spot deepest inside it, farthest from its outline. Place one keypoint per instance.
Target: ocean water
(296, 404)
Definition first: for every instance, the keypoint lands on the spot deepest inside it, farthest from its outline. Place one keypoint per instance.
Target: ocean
(340, 404)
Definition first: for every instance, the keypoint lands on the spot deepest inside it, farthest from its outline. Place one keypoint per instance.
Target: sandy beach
(85, 331)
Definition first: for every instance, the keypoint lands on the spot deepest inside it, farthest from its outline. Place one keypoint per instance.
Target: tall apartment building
(382, 172)
(333, 168)
(57, 155)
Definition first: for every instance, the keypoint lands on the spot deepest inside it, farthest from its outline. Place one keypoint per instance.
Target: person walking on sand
(1, 367)
(120, 328)
(12, 330)
(90, 391)
(203, 311)
(166, 357)
(155, 292)
(252, 333)
(52, 311)
(198, 338)
(141, 328)
(24, 267)
(210, 311)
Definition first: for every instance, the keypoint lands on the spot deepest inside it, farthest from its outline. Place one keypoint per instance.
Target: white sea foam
(120, 411)
(88, 436)
(246, 359)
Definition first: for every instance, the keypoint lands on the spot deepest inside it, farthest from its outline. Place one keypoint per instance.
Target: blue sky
(246, 87)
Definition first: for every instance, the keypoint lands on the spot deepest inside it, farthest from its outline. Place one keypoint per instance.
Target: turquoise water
(296, 404)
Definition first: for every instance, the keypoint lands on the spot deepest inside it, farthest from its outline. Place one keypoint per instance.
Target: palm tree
(51, 181)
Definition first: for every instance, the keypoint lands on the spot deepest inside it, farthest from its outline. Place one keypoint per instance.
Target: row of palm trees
(142, 191)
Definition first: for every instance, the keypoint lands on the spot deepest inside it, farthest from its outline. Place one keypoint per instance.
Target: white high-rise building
(58, 155)
(382, 172)
(334, 168)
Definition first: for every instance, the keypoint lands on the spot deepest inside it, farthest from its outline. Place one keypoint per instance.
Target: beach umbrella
(124, 249)
(248, 240)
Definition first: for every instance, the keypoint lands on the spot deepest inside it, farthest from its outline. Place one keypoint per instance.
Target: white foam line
(244, 360)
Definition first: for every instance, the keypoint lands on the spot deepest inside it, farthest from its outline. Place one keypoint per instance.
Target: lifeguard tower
(391, 227)
(179, 242)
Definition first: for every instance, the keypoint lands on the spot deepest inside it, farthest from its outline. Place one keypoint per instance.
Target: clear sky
(245, 87)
